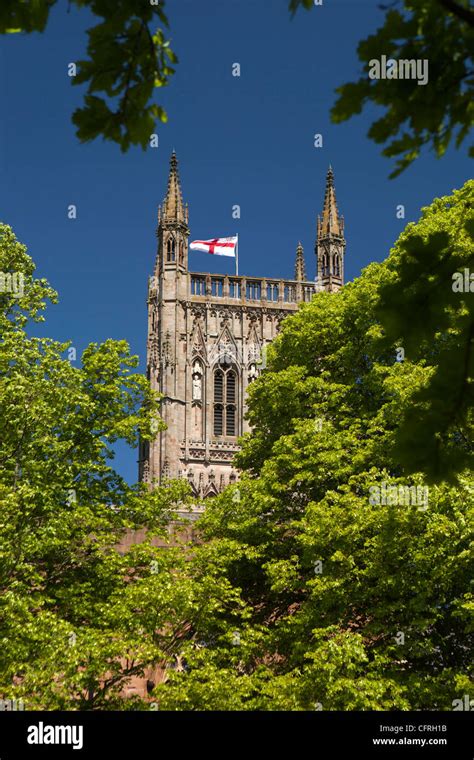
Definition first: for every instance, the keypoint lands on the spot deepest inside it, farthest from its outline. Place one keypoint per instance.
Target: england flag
(218, 246)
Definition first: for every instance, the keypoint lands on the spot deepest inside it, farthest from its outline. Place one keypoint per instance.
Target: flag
(218, 246)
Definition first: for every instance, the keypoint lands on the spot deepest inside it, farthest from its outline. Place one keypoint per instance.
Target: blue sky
(246, 141)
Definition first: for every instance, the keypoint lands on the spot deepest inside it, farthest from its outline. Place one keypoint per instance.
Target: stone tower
(207, 338)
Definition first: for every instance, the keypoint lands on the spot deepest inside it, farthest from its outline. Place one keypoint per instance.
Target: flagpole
(237, 257)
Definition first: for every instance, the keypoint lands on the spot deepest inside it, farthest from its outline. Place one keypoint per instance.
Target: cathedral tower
(330, 244)
(207, 339)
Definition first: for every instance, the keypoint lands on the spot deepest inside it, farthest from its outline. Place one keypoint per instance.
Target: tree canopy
(432, 115)
(71, 633)
(354, 573)
(336, 574)
(427, 306)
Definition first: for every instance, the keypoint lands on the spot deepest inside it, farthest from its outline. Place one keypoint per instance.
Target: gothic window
(218, 386)
(170, 251)
(230, 420)
(325, 265)
(230, 390)
(181, 253)
(337, 265)
(218, 419)
(225, 401)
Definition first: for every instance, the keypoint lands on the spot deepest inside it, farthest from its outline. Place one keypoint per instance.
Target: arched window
(337, 265)
(325, 265)
(218, 419)
(181, 253)
(225, 401)
(230, 420)
(170, 251)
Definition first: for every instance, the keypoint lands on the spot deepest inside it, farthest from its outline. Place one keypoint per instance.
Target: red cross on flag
(218, 246)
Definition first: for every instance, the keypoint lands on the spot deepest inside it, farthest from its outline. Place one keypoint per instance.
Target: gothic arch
(170, 250)
(225, 350)
(324, 262)
(198, 342)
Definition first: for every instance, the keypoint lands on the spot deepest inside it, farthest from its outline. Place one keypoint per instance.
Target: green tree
(427, 306)
(126, 61)
(353, 575)
(416, 116)
(78, 618)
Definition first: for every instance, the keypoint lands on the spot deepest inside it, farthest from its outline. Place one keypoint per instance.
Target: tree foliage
(126, 61)
(422, 307)
(78, 618)
(334, 575)
(416, 116)
(354, 595)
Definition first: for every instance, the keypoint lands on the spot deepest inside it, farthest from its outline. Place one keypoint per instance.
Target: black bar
(131, 735)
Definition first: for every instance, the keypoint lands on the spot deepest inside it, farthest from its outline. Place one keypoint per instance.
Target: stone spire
(173, 209)
(300, 270)
(173, 230)
(331, 223)
(330, 244)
